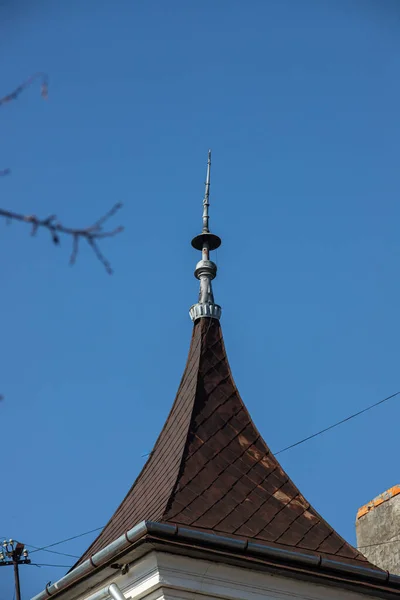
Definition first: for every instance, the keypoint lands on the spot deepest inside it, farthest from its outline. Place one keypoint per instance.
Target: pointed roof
(211, 470)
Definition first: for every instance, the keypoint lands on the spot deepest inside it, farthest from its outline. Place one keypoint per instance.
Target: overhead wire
(70, 566)
(36, 549)
(378, 544)
(302, 441)
(353, 416)
(47, 565)
(74, 537)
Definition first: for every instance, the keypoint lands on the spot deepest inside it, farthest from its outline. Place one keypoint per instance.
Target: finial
(206, 269)
(206, 202)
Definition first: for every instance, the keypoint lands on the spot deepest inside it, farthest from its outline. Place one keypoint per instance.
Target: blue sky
(300, 103)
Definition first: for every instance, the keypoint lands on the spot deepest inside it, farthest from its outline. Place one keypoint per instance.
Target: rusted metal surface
(210, 469)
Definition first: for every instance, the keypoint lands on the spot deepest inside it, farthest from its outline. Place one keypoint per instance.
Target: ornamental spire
(206, 269)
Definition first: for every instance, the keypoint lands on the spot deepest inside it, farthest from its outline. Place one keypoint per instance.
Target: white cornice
(165, 576)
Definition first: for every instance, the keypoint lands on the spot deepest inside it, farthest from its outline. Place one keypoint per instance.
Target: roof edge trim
(164, 530)
(384, 497)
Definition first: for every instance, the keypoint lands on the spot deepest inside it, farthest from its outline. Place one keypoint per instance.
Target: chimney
(378, 530)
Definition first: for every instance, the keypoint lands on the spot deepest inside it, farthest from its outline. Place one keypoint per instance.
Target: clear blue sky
(300, 103)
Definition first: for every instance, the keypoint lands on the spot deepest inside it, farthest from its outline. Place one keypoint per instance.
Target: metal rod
(206, 203)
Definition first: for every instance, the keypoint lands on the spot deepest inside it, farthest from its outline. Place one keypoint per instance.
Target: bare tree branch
(91, 234)
(14, 95)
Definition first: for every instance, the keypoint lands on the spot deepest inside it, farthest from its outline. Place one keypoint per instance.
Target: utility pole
(14, 553)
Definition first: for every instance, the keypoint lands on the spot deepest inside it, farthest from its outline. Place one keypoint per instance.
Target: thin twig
(91, 234)
(14, 95)
(44, 91)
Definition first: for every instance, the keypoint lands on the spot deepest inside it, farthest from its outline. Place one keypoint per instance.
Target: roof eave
(305, 565)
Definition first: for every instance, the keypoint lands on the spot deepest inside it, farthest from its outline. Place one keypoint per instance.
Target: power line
(36, 549)
(47, 565)
(378, 544)
(302, 441)
(98, 528)
(70, 566)
(360, 412)
(74, 537)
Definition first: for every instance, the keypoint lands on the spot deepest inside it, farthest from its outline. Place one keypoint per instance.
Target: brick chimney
(378, 530)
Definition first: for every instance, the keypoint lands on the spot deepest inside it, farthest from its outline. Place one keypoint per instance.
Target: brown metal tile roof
(211, 470)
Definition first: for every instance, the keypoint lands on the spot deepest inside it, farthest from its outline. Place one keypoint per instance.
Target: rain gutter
(244, 548)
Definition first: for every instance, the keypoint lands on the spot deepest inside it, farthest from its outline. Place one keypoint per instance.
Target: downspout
(110, 590)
